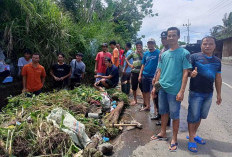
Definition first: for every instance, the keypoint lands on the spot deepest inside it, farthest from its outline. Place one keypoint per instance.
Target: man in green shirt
(136, 66)
(172, 75)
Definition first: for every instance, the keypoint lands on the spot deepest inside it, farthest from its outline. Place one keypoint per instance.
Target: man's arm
(125, 68)
(24, 83)
(180, 95)
(218, 85)
(95, 69)
(128, 63)
(140, 73)
(43, 80)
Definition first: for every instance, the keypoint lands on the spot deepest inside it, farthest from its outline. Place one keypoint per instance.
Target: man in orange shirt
(115, 54)
(33, 76)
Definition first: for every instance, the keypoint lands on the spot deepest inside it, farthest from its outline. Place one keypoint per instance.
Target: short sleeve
(24, 71)
(114, 72)
(83, 70)
(219, 70)
(20, 64)
(116, 53)
(43, 74)
(97, 57)
(186, 61)
(130, 56)
(192, 61)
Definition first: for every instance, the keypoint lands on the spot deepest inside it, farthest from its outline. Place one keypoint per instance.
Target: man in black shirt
(112, 76)
(60, 72)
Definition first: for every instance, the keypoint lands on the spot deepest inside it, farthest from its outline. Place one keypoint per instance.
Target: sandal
(192, 145)
(198, 139)
(158, 138)
(173, 145)
(144, 109)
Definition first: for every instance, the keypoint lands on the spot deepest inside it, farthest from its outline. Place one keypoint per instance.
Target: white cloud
(203, 15)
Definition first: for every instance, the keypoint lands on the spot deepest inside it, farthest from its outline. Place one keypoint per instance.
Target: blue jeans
(168, 104)
(98, 79)
(199, 105)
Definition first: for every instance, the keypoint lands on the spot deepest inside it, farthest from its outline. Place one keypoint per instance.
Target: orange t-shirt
(115, 55)
(33, 75)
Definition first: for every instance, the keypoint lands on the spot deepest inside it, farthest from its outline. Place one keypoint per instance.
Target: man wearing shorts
(148, 69)
(136, 66)
(125, 80)
(172, 76)
(206, 71)
(111, 79)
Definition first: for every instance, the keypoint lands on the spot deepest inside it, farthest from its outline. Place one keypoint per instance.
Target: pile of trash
(59, 123)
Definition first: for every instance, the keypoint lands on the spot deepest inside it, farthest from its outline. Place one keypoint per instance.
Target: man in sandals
(206, 71)
(172, 76)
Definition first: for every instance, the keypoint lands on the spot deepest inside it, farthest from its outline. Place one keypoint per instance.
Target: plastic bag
(74, 128)
(105, 100)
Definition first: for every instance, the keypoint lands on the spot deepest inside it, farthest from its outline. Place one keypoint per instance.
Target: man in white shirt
(24, 60)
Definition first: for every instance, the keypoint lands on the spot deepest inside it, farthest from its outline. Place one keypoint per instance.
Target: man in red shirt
(33, 76)
(100, 67)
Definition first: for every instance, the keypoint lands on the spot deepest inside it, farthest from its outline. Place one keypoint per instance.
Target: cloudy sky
(202, 14)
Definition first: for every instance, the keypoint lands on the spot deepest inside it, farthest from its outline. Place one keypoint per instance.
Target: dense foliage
(50, 26)
(225, 30)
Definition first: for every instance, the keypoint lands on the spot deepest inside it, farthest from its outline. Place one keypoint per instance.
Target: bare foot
(133, 103)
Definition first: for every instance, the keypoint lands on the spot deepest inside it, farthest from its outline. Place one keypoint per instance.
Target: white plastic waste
(74, 128)
(105, 100)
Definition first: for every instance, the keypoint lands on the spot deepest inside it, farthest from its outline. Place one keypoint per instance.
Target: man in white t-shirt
(24, 60)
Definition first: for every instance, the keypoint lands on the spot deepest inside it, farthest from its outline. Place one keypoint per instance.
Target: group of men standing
(160, 75)
(163, 76)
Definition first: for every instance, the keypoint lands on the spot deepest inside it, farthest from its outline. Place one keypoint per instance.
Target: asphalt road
(216, 129)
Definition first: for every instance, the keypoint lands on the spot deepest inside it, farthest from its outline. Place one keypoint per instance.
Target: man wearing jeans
(172, 75)
(148, 69)
(206, 71)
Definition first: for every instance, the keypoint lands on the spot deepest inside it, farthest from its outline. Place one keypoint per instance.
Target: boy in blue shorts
(207, 70)
(172, 76)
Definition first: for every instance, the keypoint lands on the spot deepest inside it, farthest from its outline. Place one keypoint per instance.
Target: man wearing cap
(148, 69)
(110, 80)
(100, 67)
(154, 95)
(135, 69)
(78, 70)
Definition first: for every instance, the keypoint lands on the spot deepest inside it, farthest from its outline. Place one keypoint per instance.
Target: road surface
(216, 129)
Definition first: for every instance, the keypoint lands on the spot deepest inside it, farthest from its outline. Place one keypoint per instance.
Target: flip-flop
(198, 139)
(144, 109)
(192, 145)
(158, 138)
(173, 145)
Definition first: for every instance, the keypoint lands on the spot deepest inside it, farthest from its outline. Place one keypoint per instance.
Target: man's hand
(95, 71)
(219, 99)
(56, 78)
(97, 76)
(24, 90)
(153, 93)
(61, 79)
(140, 78)
(180, 96)
(194, 73)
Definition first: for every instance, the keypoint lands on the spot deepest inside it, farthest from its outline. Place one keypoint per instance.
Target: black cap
(79, 54)
(139, 42)
(104, 45)
(108, 59)
(164, 34)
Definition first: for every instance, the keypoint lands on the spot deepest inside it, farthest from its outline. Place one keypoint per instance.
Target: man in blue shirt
(147, 72)
(112, 76)
(172, 76)
(206, 71)
(125, 80)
